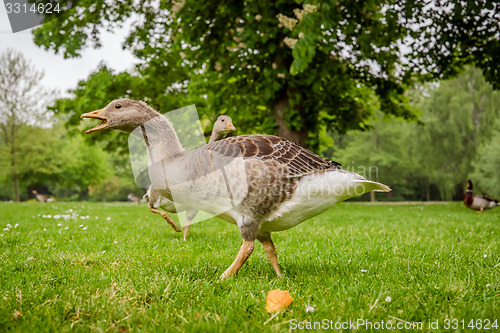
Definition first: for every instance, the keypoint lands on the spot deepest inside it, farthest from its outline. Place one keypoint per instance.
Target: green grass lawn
(129, 271)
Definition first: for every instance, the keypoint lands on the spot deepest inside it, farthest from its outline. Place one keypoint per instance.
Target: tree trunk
(81, 193)
(281, 106)
(427, 191)
(15, 179)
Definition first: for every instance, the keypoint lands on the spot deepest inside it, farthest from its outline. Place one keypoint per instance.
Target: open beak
(98, 114)
(230, 127)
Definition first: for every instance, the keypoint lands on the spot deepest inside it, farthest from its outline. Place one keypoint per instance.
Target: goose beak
(98, 114)
(230, 127)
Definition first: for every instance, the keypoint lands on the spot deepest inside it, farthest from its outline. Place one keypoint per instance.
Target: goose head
(223, 126)
(123, 114)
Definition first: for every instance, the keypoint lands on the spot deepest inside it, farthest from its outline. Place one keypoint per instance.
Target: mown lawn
(129, 271)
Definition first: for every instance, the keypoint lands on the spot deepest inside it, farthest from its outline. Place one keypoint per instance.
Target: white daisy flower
(309, 308)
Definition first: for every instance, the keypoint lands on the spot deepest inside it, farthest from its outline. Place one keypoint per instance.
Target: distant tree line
(457, 138)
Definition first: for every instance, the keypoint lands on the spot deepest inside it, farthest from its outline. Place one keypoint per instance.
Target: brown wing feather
(487, 198)
(297, 159)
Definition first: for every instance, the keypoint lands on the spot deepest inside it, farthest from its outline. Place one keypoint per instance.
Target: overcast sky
(61, 73)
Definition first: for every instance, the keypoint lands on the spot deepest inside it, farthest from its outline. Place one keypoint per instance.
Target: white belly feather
(317, 193)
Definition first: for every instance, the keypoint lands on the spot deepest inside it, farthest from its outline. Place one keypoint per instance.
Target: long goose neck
(160, 138)
(215, 136)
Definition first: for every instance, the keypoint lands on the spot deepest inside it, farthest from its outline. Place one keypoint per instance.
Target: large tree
(293, 68)
(23, 102)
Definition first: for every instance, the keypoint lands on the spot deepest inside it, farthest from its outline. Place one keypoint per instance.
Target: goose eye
(117, 106)
(222, 120)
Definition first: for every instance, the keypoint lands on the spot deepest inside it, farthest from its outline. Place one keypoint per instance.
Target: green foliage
(117, 186)
(380, 154)
(283, 67)
(459, 117)
(133, 273)
(39, 158)
(64, 165)
(23, 103)
(457, 136)
(114, 188)
(85, 166)
(486, 174)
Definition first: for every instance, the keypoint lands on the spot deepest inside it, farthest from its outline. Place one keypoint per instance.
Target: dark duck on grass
(478, 202)
(284, 184)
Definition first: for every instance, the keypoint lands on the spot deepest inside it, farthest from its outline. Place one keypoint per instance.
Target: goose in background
(222, 127)
(132, 197)
(42, 197)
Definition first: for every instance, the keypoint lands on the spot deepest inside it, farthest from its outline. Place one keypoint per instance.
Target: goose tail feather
(369, 186)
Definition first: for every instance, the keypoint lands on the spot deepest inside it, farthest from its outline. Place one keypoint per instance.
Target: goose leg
(245, 252)
(166, 217)
(153, 198)
(189, 217)
(268, 245)
(186, 229)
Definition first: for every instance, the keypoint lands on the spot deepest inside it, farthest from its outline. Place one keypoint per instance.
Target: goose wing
(487, 198)
(298, 160)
